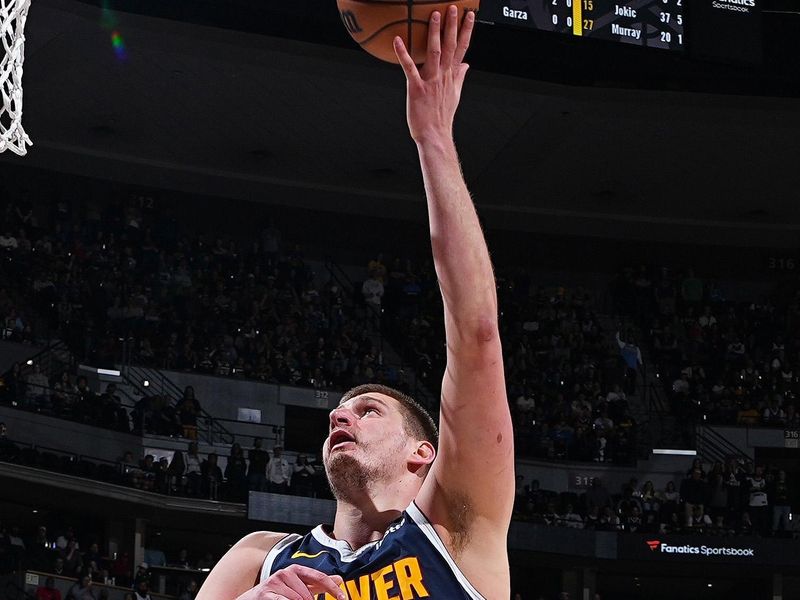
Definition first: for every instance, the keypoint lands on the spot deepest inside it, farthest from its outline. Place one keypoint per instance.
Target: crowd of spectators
(566, 377)
(730, 499)
(721, 361)
(67, 554)
(122, 277)
(191, 474)
(125, 280)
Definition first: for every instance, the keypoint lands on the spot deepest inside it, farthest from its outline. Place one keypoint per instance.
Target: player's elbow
(477, 336)
(486, 329)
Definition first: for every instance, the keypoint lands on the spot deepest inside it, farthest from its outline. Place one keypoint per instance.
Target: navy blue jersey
(408, 563)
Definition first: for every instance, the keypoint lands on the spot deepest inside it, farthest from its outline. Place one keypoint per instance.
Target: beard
(350, 477)
(347, 475)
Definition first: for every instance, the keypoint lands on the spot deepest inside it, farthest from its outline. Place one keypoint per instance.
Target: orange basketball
(375, 23)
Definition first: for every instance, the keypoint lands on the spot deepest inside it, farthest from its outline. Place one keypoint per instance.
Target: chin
(346, 474)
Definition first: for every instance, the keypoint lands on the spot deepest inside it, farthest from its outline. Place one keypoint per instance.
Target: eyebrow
(373, 398)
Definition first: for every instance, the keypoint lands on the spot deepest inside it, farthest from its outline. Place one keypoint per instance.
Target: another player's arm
(471, 485)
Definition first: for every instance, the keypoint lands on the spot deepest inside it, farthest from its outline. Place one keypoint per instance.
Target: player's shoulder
(261, 541)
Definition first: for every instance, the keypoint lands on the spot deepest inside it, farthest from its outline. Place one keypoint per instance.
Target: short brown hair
(418, 421)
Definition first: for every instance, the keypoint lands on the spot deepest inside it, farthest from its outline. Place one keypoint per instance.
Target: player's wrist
(434, 139)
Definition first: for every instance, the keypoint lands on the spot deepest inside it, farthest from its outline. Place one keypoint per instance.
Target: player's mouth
(341, 440)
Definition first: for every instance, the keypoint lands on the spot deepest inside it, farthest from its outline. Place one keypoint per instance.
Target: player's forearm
(460, 254)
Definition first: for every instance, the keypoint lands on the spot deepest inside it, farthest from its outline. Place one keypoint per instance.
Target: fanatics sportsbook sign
(708, 549)
(663, 547)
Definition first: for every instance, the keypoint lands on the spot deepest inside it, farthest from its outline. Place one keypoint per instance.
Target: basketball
(375, 23)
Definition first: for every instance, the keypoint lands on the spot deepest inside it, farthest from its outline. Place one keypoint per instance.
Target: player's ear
(423, 455)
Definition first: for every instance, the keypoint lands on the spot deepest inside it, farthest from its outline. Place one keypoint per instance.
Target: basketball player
(414, 518)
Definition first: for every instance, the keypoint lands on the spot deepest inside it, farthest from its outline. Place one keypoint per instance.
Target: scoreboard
(646, 23)
(728, 30)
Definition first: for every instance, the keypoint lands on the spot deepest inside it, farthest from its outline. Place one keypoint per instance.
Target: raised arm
(470, 490)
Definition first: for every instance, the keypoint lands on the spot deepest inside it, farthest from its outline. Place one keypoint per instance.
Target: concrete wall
(748, 439)
(222, 397)
(575, 476)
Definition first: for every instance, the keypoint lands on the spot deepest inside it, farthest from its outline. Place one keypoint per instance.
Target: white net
(12, 24)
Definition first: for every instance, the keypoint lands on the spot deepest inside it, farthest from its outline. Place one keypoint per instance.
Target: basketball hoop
(12, 24)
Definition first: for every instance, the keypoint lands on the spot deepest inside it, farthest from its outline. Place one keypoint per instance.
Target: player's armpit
(239, 569)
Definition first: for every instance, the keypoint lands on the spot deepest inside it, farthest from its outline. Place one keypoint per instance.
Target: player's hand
(296, 582)
(434, 90)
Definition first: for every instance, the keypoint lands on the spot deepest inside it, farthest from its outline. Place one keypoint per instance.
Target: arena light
(29, 362)
(111, 372)
(674, 452)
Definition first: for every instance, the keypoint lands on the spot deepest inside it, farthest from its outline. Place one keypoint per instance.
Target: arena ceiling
(246, 116)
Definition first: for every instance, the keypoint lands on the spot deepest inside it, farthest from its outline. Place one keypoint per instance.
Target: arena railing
(715, 447)
(212, 429)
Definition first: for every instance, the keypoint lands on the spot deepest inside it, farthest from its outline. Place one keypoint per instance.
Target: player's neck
(366, 518)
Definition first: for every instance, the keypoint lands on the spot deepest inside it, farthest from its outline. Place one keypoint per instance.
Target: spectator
(48, 591)
(58, 567)
(63, 396)
(194, 474)
(694, 493)
(608, 521)
(142, 591)
(175, 473)
(372, 290)
(236, 474)
(111, 413)
(13, 385)
(85, 406)
(699, 521)
(649, 498)
(781, 505)
(73, 562)
(9, 452)
(303, 477)
(279, 473)
(758, 499)
(189, 411)
(142, 575)
(40, 551)
(211, 476)
(190, 593)
(571, 519)
(632, 356)
(82, 589)
(257, 472)
(718, 501)
(632, 520)
(37, 389)
(746, 526)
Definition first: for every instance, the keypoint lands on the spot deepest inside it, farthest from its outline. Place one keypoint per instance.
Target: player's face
(367, 441)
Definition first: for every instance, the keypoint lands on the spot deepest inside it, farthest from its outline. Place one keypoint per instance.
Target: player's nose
(341, 416)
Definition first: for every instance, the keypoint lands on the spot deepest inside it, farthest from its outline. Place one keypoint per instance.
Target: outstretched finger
(464, 36)
(405, 60)
(450, 36)
(433, 56)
